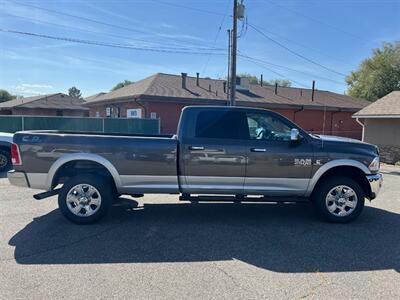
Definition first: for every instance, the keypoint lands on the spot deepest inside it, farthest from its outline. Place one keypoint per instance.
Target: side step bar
(45, 195)
(240, 198)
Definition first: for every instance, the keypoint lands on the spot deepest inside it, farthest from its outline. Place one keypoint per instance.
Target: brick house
(164, 95)
(381, 126)
(45, 105)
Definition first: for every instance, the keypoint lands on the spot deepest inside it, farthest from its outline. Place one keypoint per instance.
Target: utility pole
(233, 56)
(229, 65)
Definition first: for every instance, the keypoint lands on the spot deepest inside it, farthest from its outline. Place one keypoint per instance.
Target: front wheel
(339, 199)
(85, 198)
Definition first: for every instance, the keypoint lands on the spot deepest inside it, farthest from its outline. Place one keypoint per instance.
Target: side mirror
(294, 135)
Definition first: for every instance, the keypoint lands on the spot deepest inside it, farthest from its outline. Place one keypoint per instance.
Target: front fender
(332, 164)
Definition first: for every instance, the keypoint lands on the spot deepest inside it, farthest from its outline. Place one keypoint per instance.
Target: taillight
(15, 155)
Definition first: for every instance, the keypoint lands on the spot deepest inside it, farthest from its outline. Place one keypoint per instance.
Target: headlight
(374, 165)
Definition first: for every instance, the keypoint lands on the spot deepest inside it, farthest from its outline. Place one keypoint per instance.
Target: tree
(121, 84)
(378, 75)
(75, 92)
(5, 96)
(251, 78)
(254, 80)
(280, 82)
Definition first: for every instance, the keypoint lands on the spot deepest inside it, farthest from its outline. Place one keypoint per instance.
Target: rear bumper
(17, 178)
(375, 182)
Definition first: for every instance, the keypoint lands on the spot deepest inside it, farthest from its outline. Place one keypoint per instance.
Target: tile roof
(170, 86)
(386, 106)
(52, 101)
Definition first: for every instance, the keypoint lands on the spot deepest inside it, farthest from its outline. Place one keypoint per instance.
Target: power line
(294, 52)
(216, 37)
(98, 22)
(316, 20)
(290, 69)
(112, 45)
(305, 46)
(190, 8)
(276, 73)
(161, 46)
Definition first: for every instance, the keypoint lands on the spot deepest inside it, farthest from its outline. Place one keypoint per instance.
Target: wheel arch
(61, 163)
(346, 167)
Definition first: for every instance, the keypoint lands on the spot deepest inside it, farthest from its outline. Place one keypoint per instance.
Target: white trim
(376, 116)
(138, 112)
(363, 128)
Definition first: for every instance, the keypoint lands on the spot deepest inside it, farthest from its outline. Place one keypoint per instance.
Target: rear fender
(82, 156)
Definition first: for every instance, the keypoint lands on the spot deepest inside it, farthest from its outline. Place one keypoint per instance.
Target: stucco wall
(386, 134)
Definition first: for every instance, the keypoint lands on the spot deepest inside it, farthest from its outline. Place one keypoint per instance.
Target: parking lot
(171, 249)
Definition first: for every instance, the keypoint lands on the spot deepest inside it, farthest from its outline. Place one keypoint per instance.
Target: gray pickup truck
(218, 154)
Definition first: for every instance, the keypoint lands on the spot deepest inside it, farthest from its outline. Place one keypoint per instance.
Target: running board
(241, 198)
(45, 195)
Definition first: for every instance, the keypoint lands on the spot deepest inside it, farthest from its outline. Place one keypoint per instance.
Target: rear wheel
(339, 199)
(85, 198)
(5, 160)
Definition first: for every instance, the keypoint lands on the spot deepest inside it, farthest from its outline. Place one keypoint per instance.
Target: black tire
(320, 194)
(5, 160)
(104, 189)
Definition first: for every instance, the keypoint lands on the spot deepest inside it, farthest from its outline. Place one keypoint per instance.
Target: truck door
(276, 165)
(214, 154)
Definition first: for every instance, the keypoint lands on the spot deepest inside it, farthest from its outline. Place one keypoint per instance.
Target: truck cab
(244, 151)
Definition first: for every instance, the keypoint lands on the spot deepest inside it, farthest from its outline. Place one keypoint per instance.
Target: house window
(134, 113)
(153, 115)
(59, 113)
(97, 114)
(108, 112)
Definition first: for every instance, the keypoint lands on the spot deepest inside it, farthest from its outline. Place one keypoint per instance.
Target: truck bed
(138, 159)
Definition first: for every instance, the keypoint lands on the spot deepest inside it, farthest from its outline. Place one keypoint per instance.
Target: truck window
(267, 127)
(222, 125)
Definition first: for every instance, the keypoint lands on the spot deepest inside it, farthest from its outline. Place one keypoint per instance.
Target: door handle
(258, 150)
(196, 148)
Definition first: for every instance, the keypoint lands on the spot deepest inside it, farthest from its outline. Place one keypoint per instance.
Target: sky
(301, 41)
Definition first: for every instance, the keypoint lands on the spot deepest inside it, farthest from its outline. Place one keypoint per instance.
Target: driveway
(171, 249)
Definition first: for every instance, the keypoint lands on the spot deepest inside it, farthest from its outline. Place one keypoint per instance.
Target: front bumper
(375, 182)
(17, 178)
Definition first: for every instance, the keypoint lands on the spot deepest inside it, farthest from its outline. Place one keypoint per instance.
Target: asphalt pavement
(162, 248)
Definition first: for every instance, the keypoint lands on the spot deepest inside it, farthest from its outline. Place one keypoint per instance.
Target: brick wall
(47, 112)
(336, 123)
(5, 112)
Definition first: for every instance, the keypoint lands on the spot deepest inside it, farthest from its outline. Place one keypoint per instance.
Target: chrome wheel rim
(341, 201)
(83, 200)
(3, 160)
